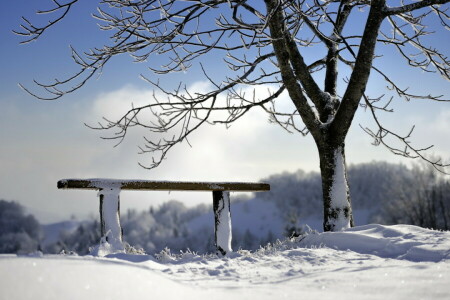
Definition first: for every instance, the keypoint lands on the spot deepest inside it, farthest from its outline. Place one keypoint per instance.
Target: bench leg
(222, 218)
(110, 217)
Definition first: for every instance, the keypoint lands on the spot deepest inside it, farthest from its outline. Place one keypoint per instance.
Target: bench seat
(109, 193)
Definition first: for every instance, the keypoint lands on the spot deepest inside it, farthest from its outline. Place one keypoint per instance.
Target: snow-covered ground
(365, 262)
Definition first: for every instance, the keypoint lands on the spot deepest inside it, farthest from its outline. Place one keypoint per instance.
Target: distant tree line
(383, 193)
(422, 199)
(19, 232)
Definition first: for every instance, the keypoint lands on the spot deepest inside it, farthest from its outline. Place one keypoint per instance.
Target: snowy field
(365, 262)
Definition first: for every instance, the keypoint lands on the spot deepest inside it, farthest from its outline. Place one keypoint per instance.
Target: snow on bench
(109, 194)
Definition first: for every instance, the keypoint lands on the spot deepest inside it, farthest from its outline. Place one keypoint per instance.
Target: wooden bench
(109, 193)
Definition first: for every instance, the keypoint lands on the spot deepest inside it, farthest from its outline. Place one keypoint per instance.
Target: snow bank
(367, 262)
(65, 277)
(397, 242)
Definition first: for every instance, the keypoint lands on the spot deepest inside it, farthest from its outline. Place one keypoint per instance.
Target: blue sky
(44, 141)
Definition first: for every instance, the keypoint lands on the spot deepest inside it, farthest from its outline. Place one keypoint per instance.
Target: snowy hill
(366, 262)
(53, 231)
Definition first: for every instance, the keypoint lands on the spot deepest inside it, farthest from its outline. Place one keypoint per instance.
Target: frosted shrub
(133, 250)
(165, 255)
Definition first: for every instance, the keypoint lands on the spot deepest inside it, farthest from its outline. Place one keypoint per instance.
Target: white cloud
(216, 153)
(435, 130)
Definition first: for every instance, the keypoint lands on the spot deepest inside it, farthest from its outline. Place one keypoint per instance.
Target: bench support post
(110, 217)
(222, 224)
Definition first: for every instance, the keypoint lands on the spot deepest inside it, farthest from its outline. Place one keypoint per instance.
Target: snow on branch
(414, 6)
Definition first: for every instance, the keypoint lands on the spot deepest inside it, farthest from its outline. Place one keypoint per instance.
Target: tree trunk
(336, 195)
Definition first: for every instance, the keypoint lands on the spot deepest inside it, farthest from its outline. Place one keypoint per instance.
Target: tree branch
(295, 92)
(360, 75)
(32, 32)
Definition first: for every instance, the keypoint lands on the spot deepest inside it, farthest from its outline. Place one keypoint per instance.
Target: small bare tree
(264, 44)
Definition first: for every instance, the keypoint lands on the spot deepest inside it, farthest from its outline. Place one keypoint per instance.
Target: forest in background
(381, 193)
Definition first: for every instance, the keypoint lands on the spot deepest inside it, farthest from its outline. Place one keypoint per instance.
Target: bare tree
(264, 46)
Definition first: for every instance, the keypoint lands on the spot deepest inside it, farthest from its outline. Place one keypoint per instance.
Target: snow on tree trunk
(339, 194)
(111, 230)
(222, 216)
(337, 204)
